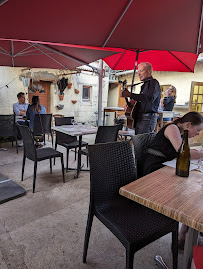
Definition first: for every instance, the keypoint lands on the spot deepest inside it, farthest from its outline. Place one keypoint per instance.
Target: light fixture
(2, 2)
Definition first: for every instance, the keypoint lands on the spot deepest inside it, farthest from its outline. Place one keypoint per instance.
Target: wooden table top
(176, 197)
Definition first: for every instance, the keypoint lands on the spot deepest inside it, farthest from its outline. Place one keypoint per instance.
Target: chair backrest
(107, 134)
(60, 137)
(63, 121)
(112, 166)
(7, 125)
(28, 142)
(141, 144)
(42, 124)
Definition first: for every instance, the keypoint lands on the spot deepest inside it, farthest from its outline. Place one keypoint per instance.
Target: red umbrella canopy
(164, 25)
(48, 55)
(160, 60)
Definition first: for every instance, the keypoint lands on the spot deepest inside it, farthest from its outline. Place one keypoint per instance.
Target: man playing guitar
(146, 108)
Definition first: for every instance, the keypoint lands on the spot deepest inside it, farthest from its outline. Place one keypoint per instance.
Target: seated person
(20, 109)
(34, 108)
(164, 147)
(167, 103)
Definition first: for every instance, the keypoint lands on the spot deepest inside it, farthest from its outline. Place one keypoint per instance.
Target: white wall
(83, 111)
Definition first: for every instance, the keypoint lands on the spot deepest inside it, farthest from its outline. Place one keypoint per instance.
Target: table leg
(79, 158)
(191, 240)
(104, 117)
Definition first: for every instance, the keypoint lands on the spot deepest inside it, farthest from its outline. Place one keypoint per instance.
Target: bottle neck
(185, 135)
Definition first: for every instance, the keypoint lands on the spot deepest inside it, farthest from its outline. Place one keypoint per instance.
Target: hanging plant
(62, 84)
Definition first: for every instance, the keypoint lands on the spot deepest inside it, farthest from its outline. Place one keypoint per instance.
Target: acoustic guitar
(129, 108)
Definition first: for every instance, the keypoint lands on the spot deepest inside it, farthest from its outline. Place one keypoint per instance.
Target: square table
(76, 131)
(176, 197)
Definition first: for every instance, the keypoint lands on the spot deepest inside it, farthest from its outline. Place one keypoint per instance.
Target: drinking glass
(73, 122)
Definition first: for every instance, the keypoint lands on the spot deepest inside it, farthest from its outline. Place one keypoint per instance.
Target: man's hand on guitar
(125, 93)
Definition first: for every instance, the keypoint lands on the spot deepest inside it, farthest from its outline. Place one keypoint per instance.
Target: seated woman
(164, 147)
(34, 108)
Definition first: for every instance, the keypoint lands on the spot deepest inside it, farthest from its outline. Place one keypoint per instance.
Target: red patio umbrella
(165, 25)
(18, 53)
(160, 60)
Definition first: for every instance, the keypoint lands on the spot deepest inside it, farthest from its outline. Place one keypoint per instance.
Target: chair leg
(75, 153)
(87, 158)
(87, 234)
(44, 139)
(87, 161)
(52, 140)
(129, 258)
(23, 167)
(16, 144)
(62, 167)
(54, 157)
(175, 247)
(50, 165)
(34, 177)
(67, 158)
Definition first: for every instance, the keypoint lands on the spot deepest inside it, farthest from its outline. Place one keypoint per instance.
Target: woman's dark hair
(194, 117)
(36, 104)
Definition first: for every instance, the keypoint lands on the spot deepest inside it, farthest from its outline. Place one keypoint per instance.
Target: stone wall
(82, 110)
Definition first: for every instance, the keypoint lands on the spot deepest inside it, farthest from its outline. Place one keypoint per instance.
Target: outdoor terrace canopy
(162, 25)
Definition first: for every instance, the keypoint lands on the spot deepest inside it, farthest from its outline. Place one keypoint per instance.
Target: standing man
(20, 109)
(148, 100)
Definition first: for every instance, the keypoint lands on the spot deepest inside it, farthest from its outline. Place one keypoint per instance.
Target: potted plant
(62, 84)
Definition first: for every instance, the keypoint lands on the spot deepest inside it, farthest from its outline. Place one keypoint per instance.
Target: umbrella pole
(100, 71)
(137, 55)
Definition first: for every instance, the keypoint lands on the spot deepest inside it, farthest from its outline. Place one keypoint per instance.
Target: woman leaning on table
(164, 147)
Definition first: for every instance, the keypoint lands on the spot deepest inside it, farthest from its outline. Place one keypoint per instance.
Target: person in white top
(20, 109)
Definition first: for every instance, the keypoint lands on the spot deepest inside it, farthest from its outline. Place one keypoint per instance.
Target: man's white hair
(148, 66)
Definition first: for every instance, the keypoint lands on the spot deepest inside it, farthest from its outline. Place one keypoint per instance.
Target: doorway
(42, 89)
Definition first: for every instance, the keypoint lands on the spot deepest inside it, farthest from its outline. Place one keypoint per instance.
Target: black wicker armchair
(42, 126)
(111, 167)
(8, 127)
(141, 144)
(37, 155)
(104, 134)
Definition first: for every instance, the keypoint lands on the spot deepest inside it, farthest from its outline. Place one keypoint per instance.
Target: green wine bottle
(183, 159)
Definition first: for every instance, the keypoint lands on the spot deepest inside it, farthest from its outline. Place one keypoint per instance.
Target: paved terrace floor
(45, 230)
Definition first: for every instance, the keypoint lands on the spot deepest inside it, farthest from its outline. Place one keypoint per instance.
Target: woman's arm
(172, 133)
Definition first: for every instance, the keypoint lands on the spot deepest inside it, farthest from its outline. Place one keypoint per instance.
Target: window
(86, 93)
(196, 97)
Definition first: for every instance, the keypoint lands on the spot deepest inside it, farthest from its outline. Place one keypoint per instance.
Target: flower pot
(74, 101)
(69, 85)
(61, 96)
(77, 91)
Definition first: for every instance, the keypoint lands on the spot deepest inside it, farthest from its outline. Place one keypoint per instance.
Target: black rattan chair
(104, 134)
(8, 127)
(141, 144)
(37, 155)
(42, 126)
(65, 140)
(111, 167)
